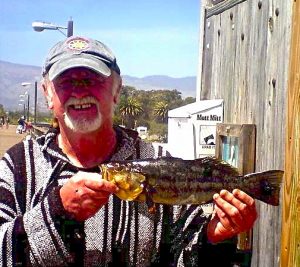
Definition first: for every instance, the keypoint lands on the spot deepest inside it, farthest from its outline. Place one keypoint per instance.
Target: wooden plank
(251, 77)
(290, 242)
(246, 142)
(245, 135)
(214, 2)
(201, 53)
(207, 58)
(221, 7)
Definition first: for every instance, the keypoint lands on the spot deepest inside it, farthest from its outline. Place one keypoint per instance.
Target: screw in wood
(259, 4)
(271, 24)
(274, 83)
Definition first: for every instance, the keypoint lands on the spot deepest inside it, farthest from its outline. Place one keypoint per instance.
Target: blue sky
(154, 37)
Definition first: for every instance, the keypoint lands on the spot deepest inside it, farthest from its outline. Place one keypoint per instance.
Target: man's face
(82, 100)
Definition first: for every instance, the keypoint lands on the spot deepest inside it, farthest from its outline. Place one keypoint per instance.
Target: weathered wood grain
(247, 66)
(245, 134)
(220, 6)
(214, 2)
(290, 247)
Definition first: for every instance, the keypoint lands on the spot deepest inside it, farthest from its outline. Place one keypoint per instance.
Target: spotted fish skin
(175, 181)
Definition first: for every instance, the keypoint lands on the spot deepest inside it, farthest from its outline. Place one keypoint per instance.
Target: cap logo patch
(78, 44)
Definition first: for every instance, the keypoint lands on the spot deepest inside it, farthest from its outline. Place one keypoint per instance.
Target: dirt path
(8, 138)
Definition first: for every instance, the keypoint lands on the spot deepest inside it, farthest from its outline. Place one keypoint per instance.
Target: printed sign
(207, 139)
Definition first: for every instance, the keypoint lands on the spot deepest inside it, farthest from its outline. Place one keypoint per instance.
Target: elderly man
(57, 211)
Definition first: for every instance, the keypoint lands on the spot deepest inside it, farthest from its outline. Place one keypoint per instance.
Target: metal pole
(35, 100)
(70, 28)
(27, 107)
(24, 110)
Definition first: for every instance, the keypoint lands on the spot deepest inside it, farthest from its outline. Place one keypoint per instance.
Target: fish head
(130, 183)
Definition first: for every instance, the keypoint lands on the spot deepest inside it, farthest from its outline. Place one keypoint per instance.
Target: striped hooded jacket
(35, 230)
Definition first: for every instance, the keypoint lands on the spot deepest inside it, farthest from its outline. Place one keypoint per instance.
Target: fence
(244, 60)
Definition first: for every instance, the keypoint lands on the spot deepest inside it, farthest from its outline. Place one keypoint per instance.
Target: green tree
(148, 108)
(188, 100)
(158, 132)
(129, 110)
(161, 111)
(2, 111)
(172, 97)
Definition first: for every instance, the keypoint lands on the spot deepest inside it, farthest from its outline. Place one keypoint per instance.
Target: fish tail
(266, 186)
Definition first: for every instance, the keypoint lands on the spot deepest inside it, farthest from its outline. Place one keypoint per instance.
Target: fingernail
(223, 192)
(236, 192)
(215, 196)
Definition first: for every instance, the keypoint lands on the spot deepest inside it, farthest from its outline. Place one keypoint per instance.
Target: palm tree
(130, 109)
(161, 110)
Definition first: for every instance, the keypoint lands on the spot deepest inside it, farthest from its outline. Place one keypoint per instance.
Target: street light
(41, 25)
(28, 96)
(25, 84)
(22, 104)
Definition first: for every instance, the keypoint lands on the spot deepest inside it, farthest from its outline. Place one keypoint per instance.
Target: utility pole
(70, 28)
(35, 100)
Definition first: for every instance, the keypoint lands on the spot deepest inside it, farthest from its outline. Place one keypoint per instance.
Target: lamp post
(40, 26)
(22, 104)
(27, 106)
(35, 101)
(25, 84)
(28, 97)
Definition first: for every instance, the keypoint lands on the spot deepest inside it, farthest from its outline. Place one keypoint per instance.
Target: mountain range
(12, 76)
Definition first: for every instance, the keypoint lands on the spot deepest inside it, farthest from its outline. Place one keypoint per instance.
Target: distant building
(192, 129)
(143, 132)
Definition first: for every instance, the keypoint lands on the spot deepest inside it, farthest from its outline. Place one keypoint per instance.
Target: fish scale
(175, 181)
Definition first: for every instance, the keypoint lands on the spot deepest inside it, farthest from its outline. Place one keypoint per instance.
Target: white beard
(82, 125)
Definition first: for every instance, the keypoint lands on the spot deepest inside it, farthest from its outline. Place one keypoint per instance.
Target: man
(1, 121)
(21, 125)
(7, 122)
(57, 211)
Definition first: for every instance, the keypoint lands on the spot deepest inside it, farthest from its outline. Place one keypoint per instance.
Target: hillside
(185, 85)
(13, 75)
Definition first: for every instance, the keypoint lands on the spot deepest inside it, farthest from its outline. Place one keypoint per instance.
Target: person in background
(1, 122)
(29, 127)
(21, 128)
(7, 122)
(56, 210)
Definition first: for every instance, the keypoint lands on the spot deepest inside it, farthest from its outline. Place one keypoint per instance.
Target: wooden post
(290, 240)
(244, 159)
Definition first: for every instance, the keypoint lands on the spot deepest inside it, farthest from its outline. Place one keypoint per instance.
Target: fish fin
(218, 164)
(267, 186)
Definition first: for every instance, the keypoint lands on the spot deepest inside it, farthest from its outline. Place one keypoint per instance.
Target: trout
(175, 181)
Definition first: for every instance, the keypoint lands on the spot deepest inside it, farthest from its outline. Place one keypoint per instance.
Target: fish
(175, 181)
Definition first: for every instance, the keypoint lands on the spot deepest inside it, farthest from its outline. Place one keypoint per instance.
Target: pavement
(8, 138)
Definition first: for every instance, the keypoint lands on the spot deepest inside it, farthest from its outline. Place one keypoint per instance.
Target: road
(8, 138)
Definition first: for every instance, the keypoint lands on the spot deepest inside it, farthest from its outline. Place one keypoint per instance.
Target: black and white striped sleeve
(28, 234)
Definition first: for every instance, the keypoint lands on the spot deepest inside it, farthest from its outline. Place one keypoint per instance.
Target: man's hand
(234, 213)
(85, 193)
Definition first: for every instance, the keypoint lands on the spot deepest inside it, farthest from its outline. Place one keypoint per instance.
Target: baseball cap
(77, 51)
